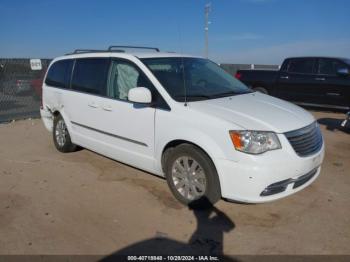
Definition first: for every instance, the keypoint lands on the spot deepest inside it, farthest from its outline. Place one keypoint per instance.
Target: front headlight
(254, 142)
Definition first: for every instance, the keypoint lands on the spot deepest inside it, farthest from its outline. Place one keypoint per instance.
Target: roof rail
(112, 49)
(132, 47)
(78, 51)
(83, 51)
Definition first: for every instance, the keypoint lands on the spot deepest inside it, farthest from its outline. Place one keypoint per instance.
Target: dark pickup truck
(310, 81)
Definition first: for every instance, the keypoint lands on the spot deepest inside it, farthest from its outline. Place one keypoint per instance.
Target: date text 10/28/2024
(173, 258)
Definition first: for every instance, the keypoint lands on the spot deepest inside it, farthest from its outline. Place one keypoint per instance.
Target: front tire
(192, 176)
(261, 90)
(61, 137)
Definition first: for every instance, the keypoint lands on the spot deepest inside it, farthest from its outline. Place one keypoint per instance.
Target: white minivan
(183, 118)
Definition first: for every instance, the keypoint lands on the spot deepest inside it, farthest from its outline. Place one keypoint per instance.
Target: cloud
(275, 54)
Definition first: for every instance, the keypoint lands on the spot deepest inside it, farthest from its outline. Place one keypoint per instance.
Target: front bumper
(283, 170)
(346, 122)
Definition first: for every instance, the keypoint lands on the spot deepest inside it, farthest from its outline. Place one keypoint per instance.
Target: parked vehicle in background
(183, 118)
(310, 81)
(17, 85)
(37, 84)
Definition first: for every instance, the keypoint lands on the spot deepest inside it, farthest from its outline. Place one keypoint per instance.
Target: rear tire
(61, 137)
(191, 176)
(261, 90)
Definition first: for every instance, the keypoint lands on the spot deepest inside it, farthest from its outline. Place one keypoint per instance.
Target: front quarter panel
(208, 133)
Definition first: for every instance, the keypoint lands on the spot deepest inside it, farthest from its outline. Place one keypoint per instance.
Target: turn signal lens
(236, 139)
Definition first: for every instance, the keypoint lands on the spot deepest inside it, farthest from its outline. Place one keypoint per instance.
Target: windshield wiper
(195, 96)
(231, 93)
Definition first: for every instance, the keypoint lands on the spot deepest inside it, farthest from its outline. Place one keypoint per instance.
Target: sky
(241, 31)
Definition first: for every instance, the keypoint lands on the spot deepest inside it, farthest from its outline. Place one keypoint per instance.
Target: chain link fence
(20, 88)
(21, 81)
(233, 68)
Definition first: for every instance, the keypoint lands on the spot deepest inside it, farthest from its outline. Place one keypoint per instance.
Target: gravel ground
(84, 203)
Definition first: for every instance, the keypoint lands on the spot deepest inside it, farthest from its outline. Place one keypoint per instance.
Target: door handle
(107, 108)
(93, 105)
(333, 94)
(320, 79)
(284, 77)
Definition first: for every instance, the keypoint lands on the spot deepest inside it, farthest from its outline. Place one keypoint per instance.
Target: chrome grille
(307, 140)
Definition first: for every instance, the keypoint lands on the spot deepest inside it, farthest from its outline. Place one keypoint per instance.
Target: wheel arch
(173, 143)
(56, 112)
(261, 86)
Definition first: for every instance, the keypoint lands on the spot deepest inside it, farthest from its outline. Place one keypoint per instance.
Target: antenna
(184, 79)
(207, 10)
(183, 66)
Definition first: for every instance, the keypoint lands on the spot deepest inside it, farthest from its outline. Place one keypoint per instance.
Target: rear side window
(303, 66)
(90, 75)
(59, 74)
(329, 66)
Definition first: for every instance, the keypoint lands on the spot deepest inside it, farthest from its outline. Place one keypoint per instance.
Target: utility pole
(207, 9)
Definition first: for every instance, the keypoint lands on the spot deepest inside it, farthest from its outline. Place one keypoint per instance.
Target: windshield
(195, 78)
(347, 61)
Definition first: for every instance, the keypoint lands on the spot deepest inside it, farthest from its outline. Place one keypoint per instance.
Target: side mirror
(343, 72)
(141, 95)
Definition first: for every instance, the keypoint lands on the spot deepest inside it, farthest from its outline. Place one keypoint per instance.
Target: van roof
(125, 55)
(148, 52)
(160, 54)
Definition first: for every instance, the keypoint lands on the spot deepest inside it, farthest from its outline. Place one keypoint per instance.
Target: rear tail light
(238, 75)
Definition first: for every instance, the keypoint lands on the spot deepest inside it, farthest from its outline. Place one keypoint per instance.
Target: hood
(256, 111)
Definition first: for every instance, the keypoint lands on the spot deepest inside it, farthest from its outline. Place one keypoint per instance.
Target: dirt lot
(84, 203)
